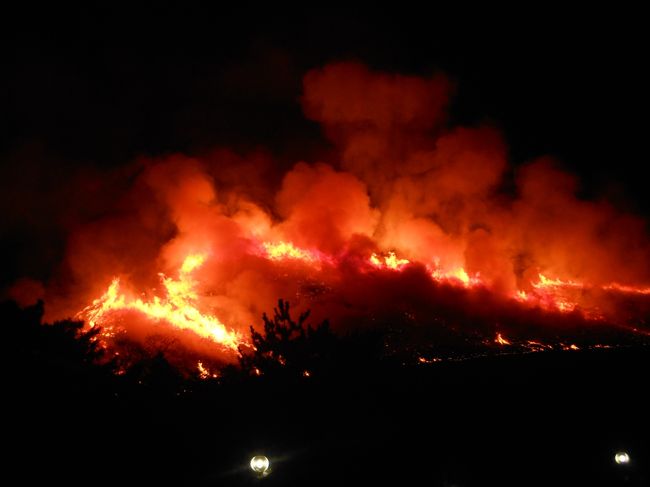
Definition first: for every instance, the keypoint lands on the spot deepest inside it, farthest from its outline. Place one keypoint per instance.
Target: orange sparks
(178, 308)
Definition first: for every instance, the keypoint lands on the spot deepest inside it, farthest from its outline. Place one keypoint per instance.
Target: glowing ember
(204, 372)
(178, 308)
(564, 305)
(535, 346)
(501, 340)
(424, 360)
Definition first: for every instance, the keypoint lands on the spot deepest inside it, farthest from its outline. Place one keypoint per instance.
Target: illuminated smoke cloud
(413, 219)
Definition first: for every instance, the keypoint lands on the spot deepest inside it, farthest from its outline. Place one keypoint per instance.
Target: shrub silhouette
(61, 346)
(293, 348)
(287, 346)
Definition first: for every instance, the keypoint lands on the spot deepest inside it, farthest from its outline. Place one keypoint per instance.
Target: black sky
(96, 87)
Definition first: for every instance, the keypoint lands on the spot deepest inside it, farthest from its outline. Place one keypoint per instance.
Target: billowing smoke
(411, 221)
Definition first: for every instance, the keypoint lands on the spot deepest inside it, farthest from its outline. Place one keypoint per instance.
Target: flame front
(286, 250)
(178, 308)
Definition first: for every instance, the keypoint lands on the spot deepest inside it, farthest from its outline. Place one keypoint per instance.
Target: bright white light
(622, 458)
(260, 464)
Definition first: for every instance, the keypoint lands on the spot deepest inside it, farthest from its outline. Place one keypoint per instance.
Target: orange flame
(388, 261)
(286, 250)
(204, 372)
(501, 340)
(545, 282)
(178, 308)
(456, 276)
(627, 289)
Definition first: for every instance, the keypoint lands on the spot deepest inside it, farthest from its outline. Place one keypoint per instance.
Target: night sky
(93, 88)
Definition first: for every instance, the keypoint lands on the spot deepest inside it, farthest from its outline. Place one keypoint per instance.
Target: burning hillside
(407, 220)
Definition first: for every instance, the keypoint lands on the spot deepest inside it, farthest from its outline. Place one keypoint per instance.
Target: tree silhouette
(287, 346)
(61, 347)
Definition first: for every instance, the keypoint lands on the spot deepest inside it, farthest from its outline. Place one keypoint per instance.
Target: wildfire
(177, 308)
(557, 292)
(548, 293)
(454, 276)
(425, 198)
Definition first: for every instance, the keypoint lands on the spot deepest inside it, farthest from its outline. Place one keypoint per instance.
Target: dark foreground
(551, 418)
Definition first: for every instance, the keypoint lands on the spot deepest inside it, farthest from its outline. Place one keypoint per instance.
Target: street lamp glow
(622, 458)
(260, 464)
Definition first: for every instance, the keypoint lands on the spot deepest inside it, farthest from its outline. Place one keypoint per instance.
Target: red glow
(177, 308)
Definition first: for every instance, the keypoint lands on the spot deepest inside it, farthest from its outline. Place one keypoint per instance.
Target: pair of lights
(260, 464)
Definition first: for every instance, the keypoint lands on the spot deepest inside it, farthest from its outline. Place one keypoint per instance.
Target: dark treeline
(323, 408)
